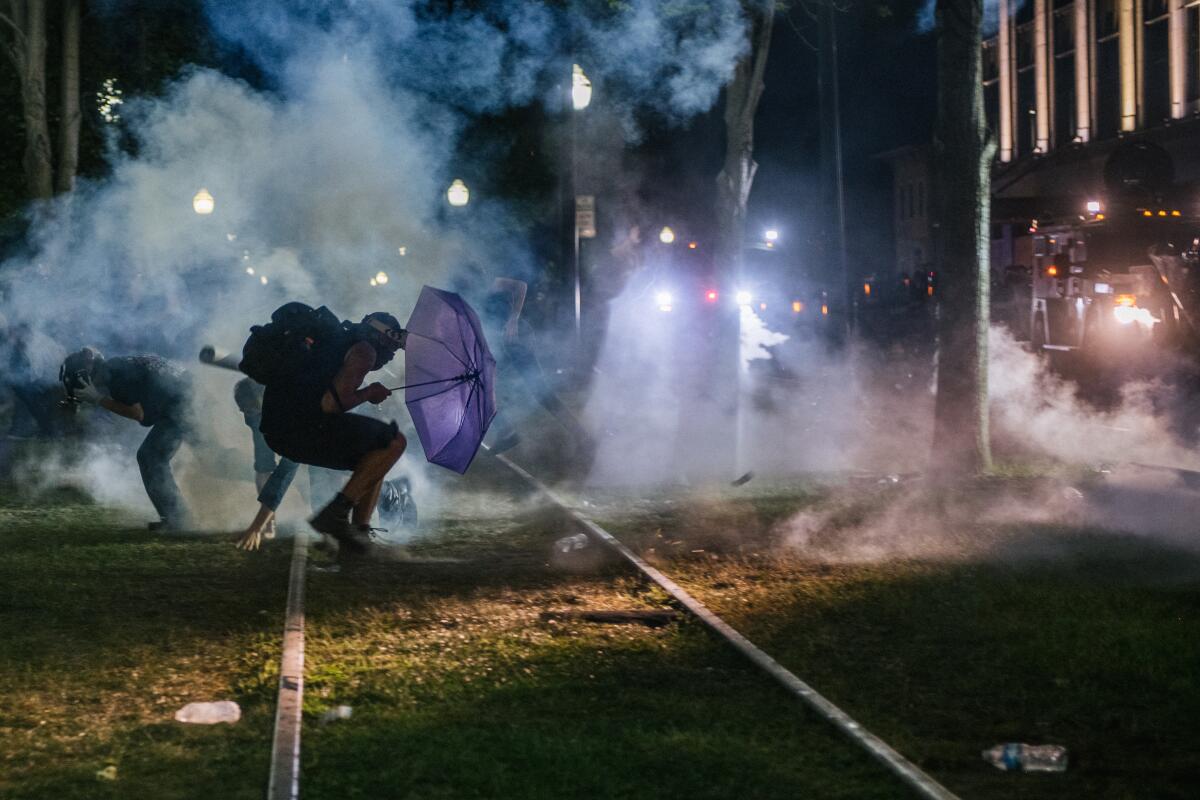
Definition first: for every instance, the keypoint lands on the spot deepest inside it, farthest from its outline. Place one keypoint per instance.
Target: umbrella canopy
(450, 378)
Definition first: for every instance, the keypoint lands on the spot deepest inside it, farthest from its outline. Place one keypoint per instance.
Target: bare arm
(133, 412)
(360, 359)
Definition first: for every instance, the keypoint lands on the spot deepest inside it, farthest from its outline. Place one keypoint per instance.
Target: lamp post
(203, 202)
(458, 195)
(581, 97)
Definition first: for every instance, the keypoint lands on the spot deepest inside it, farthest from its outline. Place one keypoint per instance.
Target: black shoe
(168, 525)
(360, 541)
(332, 522)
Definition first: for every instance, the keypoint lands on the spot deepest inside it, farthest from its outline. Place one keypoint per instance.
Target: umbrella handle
(466, 376)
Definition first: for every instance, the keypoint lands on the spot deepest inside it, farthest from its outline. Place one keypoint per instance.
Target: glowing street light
(381, 278)
(581, 88)
(771, 235)
(458, 195)
(666, 235)
(203, 202)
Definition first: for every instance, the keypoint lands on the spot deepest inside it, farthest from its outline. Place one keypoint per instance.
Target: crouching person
(306, 418)
(153, 392)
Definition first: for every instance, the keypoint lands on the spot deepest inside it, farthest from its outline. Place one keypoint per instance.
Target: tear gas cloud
(326, 176)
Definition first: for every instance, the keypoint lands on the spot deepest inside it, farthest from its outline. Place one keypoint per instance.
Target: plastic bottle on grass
(1016, 757)
(209, 713)
(569, 543)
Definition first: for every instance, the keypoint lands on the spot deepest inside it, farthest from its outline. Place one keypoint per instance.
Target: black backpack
(283, 349)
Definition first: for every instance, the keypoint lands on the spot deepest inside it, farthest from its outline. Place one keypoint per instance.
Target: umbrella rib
(453, 354)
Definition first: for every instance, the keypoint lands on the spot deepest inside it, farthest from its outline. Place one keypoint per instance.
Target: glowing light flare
(666, 235)
(1125, 300)
(664, 300)
(691, 245)
(381, 278)
(203, 202)
(929, 291)
(1093, 206)
(262, 279)
(743, 298)
(1162, 213)
(1052, 271)
(581, 88)
(711, 296)
(249, 270)
(762, 306)
(824, 310)
(867, 289)
(797, 307)
(458, 195)
(771, 235)
(1126, 315)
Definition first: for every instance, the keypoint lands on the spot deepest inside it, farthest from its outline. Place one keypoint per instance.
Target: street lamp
(581, 88)
(458, 195)
(666, 235)
(203, 202)
(581, 97)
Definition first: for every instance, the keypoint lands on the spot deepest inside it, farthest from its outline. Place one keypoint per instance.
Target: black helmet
(79, 368)
(384, 333)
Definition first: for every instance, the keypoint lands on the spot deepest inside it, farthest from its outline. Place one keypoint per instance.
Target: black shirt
(163, 389)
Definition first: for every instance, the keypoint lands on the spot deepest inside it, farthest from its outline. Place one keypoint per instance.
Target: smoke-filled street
(579, 399)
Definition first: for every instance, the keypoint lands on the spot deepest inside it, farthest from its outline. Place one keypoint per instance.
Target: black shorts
(339, 441)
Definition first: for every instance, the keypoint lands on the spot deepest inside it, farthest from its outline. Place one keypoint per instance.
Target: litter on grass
(209, 713)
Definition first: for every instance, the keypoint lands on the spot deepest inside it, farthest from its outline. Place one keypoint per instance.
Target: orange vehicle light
(1162, 213)
(1126, 300)
(929, 291)
(1147, 213)
(1099, 216)
(1175, 214)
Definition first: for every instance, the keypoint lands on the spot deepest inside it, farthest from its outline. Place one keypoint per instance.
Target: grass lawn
(107, 630)
(1040, 631)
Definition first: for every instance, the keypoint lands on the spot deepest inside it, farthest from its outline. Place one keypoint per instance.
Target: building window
(1156, 69)
(1106, 18)
(1108, 72)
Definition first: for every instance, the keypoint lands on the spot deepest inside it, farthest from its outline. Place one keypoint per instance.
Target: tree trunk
(23, 38)
(737, 174)
(68, 150)
(963, 154)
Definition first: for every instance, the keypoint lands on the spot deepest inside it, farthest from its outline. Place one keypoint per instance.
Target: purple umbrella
(451, 393)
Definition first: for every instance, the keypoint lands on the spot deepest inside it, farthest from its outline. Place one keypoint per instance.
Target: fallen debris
(209, 713)
(651, 619)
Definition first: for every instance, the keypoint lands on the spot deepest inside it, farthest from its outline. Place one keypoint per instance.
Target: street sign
(585, 216)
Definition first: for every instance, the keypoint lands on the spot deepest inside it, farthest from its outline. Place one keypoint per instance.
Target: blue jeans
(154, 462)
